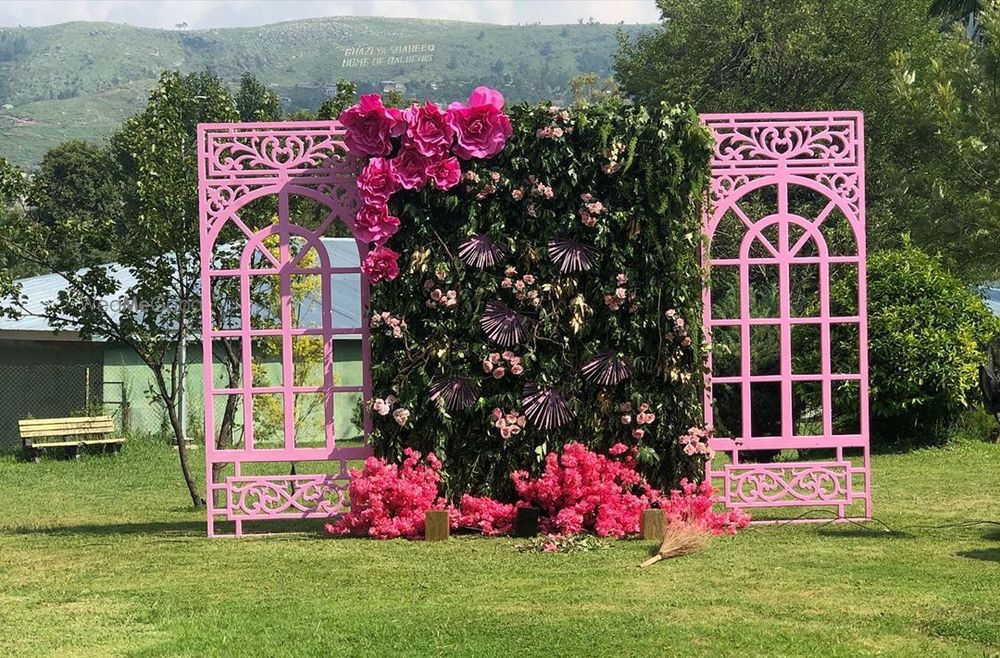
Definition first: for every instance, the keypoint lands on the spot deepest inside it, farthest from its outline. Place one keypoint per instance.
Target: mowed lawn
(104, 558)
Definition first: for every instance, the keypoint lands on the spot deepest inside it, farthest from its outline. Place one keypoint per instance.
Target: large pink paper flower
(377, 182)
(375, 224)
(380, 265)
(445, 173)
(428, 130)
(370, 125)
(410, 169)
(481, 128)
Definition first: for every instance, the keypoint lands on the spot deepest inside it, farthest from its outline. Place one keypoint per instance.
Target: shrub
(556, 282)
(926, 335)
(580, 491)
(389, 500)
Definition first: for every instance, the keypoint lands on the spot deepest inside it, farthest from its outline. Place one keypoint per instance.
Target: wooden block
(435, 525)
(653, 524)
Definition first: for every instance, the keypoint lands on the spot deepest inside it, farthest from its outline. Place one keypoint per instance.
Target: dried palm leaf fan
(680, 539)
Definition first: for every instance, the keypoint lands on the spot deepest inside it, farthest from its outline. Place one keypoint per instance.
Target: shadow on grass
(986, 554)
(177, 529)
(859, 531)
(156, 529)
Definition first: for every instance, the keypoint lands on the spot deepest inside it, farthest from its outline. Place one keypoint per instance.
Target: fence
(55, 391)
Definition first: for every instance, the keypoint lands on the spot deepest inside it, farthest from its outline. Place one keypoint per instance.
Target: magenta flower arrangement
(578, 491)
(407, 149)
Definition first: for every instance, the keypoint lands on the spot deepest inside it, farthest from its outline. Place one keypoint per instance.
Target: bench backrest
(41, 427)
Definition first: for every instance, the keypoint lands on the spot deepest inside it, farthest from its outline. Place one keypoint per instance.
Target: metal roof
(38, 291)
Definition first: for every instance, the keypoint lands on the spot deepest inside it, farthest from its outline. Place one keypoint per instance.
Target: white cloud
(234, 13)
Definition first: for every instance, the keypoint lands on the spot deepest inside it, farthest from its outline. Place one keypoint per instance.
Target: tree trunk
(175, 423)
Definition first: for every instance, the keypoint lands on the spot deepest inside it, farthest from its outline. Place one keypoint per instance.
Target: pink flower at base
(370, 126)
(377, 182)
(410, 169)
(481, 128)
(375, 224)
(445, 174)
(428, 130)
(381, 265)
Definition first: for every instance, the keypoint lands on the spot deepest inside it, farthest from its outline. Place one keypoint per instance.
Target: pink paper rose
(428, 130)
(375, 224)
(481, 128)
(377, 182)
(445, 173)
(370, 125)
(380, 265)
(410, 169)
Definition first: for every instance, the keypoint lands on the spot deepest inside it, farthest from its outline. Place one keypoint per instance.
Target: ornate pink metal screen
(269, 195)
(785, 310)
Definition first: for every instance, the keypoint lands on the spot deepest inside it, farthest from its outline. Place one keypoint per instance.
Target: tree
(346, 94)
(950, 177)
(76, 194)
(784, 55)
(156, 153)
(255, 102)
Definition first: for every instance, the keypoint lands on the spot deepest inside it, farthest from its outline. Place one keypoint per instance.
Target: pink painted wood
(766, 170)
(241, 164)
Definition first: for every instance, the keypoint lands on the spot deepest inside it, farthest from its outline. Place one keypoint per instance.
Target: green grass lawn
(103, 558)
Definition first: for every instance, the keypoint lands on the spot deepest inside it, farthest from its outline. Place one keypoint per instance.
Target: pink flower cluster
(393, 326)
(695, 442)
(695, 504)
(484, 514)
(430, 142)
(525, 289)
(510, 423)
(488, 189)
(382, 406)
(637, 420)
(499, 365)
(560, 125)
(389, 501)
(679, 327)
(590, 210)
(621, 295)
(583, 491)
(446, 299)
(579, 491)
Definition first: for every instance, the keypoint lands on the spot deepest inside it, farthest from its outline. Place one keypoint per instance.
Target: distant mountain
(79, 80)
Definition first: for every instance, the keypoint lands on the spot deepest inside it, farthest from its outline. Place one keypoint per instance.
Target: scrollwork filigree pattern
(792, 484)
(292, 496)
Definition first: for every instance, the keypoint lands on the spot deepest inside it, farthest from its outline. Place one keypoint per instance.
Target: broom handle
(651, 561)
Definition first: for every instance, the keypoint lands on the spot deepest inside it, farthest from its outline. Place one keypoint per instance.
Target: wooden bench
(71, 433)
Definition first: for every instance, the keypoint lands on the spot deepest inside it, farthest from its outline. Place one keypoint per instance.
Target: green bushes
(926, 332)
(576, 246)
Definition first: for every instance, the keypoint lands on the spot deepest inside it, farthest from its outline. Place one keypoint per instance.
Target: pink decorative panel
(279, 298)
(788, 366)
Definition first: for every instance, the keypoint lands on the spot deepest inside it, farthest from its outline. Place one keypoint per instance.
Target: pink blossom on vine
(410, 168)
(377, 182)
(481, 127)
(401, 416)
(381, 264)
(445, 173)
(370, 126)
(375, 224)
(428, 130)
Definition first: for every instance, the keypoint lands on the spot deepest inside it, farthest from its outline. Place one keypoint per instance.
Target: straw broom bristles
(680, 539)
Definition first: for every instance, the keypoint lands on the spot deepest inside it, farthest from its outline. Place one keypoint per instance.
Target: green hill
(78, 80)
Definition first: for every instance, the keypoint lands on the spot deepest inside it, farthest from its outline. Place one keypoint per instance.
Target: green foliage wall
(643, 172)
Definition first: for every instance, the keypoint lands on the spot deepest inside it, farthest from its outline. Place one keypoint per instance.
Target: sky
(200, 14)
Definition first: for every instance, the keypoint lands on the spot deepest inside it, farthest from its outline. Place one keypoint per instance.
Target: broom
(680, 539)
